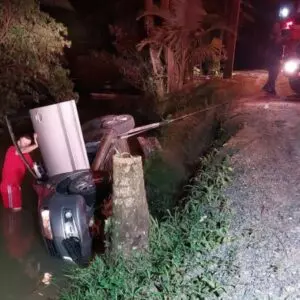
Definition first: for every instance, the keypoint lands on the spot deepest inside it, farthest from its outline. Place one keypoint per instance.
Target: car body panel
(55, 197)
(60, 137)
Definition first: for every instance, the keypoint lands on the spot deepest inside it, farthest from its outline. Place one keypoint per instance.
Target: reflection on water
(23, 257)
(17, 238)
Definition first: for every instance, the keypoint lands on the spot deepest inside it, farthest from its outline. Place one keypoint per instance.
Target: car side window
(91, 149)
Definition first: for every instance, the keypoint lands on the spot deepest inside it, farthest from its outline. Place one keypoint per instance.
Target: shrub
(31, 50)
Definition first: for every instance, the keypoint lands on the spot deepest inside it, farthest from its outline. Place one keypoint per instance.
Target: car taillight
(45, 214)
(289, 24)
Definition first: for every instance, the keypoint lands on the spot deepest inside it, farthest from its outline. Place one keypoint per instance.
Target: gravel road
(265, 198)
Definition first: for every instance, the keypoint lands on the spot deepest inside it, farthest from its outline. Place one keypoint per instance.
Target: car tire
(295, 85)
(95, 128)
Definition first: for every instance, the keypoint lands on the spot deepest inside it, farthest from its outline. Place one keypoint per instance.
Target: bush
(137, 71)
(31, 47)
(179, 264)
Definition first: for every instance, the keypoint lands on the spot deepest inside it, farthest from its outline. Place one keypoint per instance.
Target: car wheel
(97, 127)
(295, 85)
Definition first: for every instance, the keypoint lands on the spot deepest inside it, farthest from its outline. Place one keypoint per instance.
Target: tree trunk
(154, 53)
(169, 58)
(182, 70)
(149, 20)
(130, 209)
(225, 15)
(171, 71)
(231, 38)
(157, 71)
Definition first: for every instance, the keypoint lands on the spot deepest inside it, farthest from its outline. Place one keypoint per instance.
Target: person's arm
(31, 147)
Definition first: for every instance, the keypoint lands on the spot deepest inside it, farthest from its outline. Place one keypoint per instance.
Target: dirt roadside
(265, 199)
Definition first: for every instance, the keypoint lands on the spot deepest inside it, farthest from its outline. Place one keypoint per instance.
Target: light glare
(284, 12)
(291, 66)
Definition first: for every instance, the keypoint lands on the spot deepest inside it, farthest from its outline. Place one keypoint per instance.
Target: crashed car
(74, 178)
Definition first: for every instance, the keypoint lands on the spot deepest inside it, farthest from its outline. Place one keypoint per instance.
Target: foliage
(190, 40)
(186, 31)
(179, 264)
(31, 49)
(137, 71)
(133, 65)
(213, 62)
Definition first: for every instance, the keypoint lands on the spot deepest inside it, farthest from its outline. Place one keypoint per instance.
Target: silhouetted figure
(274, 55)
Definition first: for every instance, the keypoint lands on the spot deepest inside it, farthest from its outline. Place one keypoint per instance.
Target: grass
(179, 264)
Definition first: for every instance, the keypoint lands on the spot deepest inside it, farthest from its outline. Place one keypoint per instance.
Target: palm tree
(185, 30)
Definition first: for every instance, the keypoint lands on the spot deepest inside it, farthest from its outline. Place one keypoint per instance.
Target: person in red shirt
(13, 172)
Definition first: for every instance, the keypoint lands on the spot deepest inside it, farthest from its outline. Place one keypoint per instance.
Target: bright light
(289, 24)
(68, 215)
(47, 278)
(291, 66)
(45, 214)
(284, 12)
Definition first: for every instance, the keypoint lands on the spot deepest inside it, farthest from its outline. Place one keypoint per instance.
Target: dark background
(253, 36)
(89, 30)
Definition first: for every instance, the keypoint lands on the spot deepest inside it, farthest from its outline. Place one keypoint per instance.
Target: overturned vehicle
(74, 178)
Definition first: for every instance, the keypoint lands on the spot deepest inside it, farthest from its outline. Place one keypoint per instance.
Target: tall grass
(179, 264)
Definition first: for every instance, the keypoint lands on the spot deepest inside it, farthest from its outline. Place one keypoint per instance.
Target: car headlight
(45, 214)
(284, 12)
(69, 225)
(291, 66)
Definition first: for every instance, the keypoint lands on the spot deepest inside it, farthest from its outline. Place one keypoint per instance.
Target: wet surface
(23, 257)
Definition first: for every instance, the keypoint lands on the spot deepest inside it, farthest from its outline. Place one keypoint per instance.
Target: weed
(179, 264)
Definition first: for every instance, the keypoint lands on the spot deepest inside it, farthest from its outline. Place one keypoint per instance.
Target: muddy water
(23, 257)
